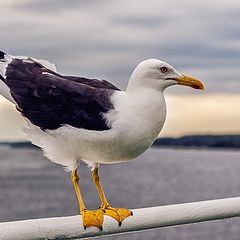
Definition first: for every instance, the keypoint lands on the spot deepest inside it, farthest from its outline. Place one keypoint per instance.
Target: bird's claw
(92, 218)
(118, 214)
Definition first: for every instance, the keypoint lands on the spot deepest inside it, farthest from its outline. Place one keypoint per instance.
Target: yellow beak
(190, 81)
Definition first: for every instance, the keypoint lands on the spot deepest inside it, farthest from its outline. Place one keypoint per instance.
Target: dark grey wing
(93, 82)
(49, 100)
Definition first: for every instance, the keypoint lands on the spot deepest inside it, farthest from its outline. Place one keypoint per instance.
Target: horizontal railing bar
(67, 228)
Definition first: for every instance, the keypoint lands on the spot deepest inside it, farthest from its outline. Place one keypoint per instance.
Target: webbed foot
(118, 214)
(92, 218)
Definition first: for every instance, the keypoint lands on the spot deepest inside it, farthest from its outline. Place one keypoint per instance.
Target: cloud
(107, 39)
(211, 114)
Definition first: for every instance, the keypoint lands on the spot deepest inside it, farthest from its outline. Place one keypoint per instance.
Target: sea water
(33, 187)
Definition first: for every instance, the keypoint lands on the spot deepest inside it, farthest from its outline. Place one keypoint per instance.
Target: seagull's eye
(163, 69)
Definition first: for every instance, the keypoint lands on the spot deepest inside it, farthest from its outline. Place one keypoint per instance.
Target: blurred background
(106, 40)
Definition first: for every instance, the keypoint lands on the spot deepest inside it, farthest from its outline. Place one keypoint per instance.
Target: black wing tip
(2, 54)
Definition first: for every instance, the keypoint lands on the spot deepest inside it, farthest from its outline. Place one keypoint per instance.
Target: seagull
(75, 119)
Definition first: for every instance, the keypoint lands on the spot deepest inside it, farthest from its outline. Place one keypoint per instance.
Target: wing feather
(50, 100)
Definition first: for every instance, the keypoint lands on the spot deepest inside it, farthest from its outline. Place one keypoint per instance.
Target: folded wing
(50, 100)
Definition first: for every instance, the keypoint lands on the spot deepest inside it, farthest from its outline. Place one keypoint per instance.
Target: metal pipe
(67, 228)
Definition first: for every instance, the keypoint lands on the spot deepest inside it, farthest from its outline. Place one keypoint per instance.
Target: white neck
(145, 102)
(137, 118)
(148, 105)
(140, 110)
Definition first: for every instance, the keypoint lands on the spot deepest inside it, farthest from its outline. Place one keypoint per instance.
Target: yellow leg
(118, 214)
(90, 218)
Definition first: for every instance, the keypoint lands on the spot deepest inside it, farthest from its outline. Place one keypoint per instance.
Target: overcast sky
(107, 39)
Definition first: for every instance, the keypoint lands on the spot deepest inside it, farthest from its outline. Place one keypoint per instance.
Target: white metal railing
(67, 228)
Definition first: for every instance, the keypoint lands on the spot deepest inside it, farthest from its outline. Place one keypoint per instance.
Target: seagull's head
(158, 74)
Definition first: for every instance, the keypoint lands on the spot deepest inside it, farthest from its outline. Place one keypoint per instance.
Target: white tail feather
(4, 89)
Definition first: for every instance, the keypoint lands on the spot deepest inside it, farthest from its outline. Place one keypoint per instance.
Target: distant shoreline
(201, 141)
(193, 141)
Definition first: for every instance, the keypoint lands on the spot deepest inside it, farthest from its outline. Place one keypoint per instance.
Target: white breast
(138, 119)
